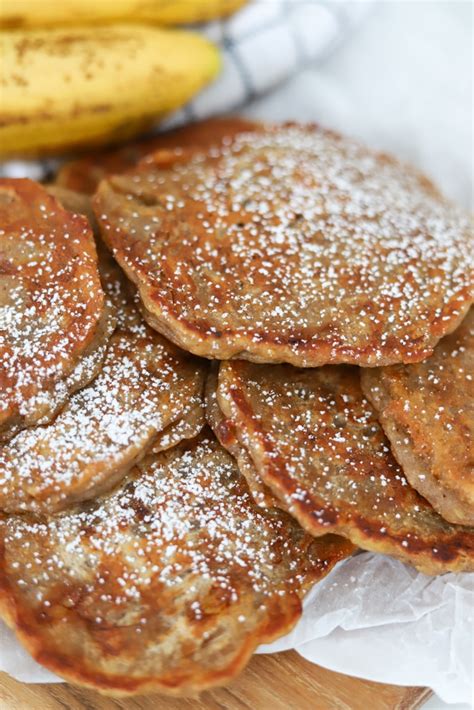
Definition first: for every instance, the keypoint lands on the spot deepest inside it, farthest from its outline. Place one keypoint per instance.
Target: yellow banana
(63, 88)
(16, 14)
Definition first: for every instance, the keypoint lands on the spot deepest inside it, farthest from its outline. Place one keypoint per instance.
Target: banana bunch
(16, 14)
(93, 81)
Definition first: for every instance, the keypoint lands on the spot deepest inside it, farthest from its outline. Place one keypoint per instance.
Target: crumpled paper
(376, 618)
(372, 617)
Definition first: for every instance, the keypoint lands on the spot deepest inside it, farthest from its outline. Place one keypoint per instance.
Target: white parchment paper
(376, 618)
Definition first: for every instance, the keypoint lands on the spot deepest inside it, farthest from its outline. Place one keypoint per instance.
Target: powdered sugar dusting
(145, 384)
(178, 569)
(51, 304)
(316, 442)
(427, 411)
(173, 499)
(293, 244)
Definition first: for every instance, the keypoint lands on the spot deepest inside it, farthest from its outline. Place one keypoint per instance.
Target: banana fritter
(427, 412)
(84, 174)
(317, 444)
(53, 318)
(226, 432)
(291, 244)
(169, 583)
(146, 386)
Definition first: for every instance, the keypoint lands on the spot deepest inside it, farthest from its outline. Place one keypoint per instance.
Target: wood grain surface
(282, 681)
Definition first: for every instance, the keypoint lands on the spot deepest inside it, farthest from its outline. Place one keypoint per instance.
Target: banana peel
(15, 14)
(65, 88)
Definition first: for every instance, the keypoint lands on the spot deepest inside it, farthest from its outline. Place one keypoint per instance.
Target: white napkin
(265, 43)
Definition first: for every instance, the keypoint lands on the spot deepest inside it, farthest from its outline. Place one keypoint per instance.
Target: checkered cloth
(267, 42)
(263, 44)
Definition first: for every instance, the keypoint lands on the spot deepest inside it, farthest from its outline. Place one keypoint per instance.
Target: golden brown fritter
(168, 583)
(188, 426)
(53, 319)
(74, 202)
(226, 433)
(427, 412)
(291, 244)
(146, 386)
(317, 444)
(85, 173)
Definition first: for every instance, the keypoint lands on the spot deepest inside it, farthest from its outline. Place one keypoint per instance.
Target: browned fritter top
(427, 412)
(291, 244)
(85, 173)
(52, 312)
(145, 385)
(168, 583)
(317, 443)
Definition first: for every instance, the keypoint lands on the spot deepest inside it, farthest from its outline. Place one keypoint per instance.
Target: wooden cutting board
(282, 681)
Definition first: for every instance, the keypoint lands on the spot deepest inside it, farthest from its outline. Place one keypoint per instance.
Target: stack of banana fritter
(260, 362)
